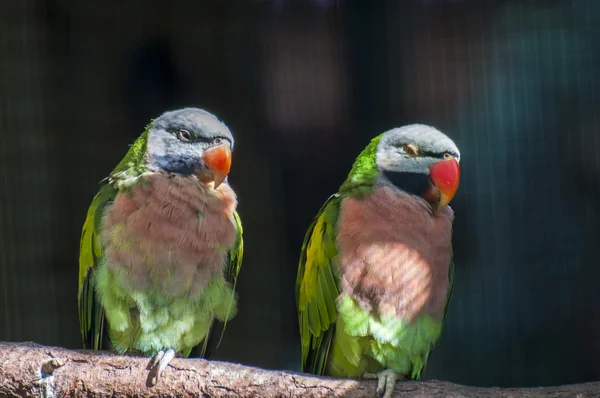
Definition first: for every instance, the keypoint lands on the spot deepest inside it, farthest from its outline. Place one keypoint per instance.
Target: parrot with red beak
(376, 271)
(161, 247)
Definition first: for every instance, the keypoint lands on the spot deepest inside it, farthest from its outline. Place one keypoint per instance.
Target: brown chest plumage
(169, 233)
(394, 254)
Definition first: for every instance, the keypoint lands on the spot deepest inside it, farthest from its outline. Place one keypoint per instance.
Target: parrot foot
(157, 364)
(386, 381)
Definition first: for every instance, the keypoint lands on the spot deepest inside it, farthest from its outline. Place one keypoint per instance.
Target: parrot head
(421, 161)
(190, 141)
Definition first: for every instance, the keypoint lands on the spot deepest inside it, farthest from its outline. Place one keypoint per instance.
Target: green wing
(232, 270)
(317, 287)
(91, 314)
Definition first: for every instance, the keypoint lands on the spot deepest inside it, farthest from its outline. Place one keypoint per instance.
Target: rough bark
(28, 369)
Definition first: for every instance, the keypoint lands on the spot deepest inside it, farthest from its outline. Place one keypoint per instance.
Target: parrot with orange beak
(161, 247)
(376, 270)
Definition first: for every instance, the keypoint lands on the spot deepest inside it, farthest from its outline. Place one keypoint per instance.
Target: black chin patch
(413, 183)
(180, 164)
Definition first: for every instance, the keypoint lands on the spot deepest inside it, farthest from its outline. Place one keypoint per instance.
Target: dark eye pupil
(218, 141)
(185, 135)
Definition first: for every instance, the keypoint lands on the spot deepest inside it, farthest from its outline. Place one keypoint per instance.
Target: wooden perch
(28, 369)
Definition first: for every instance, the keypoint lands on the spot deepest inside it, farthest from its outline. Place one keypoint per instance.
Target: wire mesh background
(304, 86)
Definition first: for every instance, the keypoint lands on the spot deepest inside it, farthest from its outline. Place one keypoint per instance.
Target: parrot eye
(448, 156)
(218, 140)
(411, 150)
(184, 135)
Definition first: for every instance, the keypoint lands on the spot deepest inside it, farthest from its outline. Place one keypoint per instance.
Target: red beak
(445, 176)
(218, 161)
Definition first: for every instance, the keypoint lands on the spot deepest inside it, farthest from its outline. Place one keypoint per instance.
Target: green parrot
(376, 271)
(161, 247)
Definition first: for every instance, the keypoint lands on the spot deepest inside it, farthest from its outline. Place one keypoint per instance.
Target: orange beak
(218, 161)
(445, 175)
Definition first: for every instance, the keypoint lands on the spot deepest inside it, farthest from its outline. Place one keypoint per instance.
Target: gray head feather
(431, 144)
(178, 139)
(197, 121)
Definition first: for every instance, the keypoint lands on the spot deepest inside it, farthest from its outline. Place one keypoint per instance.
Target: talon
(381, 386)
(386, 382)
(155, 360)
(389, 385)
(158, 363)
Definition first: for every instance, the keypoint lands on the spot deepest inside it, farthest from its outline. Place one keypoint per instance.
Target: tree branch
(29, 369)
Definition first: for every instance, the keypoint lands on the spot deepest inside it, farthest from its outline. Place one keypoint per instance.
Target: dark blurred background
(304, 85)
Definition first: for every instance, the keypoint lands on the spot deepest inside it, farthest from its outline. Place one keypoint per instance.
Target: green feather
(364, 171)
(91, 314)
(134, 162)
(316, 287)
